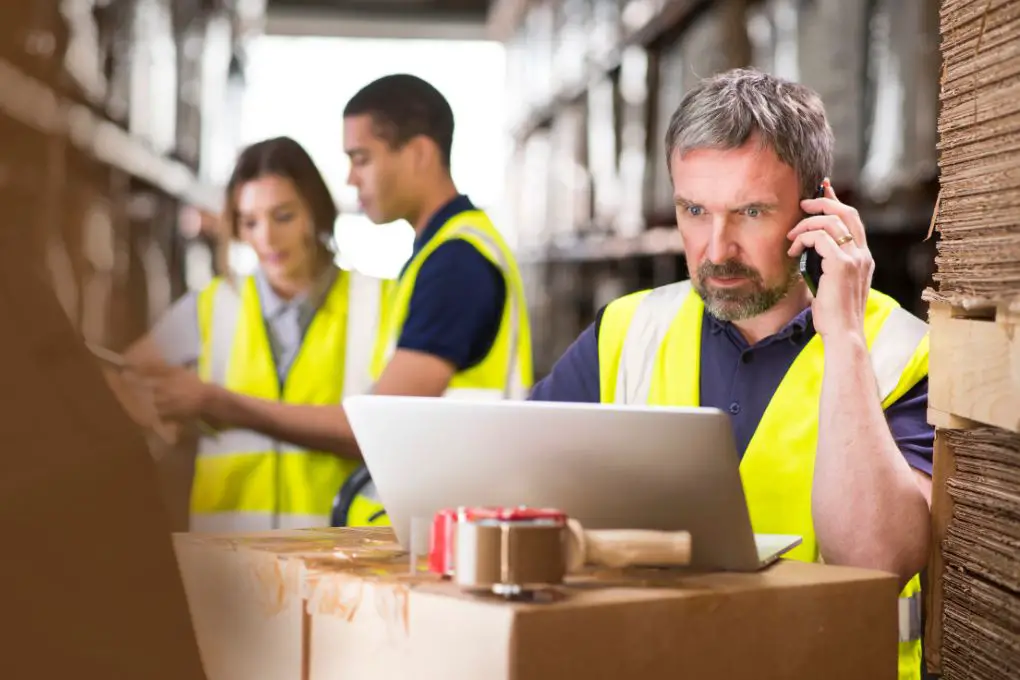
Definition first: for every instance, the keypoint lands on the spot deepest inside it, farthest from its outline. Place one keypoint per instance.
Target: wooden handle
(616, 548)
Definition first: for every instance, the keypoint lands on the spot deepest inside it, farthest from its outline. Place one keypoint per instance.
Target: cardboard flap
(90, 585)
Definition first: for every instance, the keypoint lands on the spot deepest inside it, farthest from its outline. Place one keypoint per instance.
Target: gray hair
(723, 111)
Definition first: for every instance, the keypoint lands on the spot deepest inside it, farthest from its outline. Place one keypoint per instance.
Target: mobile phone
(810, 260)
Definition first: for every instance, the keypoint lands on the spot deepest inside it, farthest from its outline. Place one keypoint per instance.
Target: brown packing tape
(360, 541)
(282, 565)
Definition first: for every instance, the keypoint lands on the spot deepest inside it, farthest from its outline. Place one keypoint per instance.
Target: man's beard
(746, 301)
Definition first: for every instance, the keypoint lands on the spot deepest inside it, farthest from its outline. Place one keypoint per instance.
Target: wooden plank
(950, 421)
(975, 366)
(941, 512)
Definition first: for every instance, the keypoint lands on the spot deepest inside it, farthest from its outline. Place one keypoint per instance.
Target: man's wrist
(847, 345)
(847, 359)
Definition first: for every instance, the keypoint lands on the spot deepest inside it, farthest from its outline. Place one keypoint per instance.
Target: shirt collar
(796, 330)
(273, 305)
(455, 206)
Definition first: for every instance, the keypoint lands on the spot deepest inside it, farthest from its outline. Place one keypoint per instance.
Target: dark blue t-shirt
(457, 302)
(741, 379)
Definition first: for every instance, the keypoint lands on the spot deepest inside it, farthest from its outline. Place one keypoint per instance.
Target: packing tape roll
(507, 556)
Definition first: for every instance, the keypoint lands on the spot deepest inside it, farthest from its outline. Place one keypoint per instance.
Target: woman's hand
(178, 393)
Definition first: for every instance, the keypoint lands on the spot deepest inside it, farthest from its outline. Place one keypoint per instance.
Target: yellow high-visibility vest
(506, 371)
(246, 481)
(650, 353)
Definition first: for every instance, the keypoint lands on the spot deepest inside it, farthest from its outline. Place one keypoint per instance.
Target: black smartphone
(810, 260)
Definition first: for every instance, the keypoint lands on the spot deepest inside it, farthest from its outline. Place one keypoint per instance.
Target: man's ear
(424, 152)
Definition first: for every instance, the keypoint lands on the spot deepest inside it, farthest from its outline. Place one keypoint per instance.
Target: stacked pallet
(974, 393)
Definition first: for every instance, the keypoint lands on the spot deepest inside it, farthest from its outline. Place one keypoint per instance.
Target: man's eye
(695, 210)
(753, 212)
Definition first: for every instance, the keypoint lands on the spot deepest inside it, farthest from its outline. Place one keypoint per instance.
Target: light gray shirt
(178, 338)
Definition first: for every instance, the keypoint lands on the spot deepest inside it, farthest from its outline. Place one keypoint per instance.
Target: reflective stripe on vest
(514, 379)
(649, 353)
(246, 481)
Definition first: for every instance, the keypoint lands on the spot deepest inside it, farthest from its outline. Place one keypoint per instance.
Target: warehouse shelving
(108, 112)
(31, 102)
(111, 116)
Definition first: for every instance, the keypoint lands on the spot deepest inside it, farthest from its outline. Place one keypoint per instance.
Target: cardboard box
(343, 603)
(89, 581)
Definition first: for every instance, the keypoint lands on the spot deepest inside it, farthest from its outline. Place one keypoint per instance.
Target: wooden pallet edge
(1005, 309)
(944, 467)
(974, 366)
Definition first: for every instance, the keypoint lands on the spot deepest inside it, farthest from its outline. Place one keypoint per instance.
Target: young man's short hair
(403, 107)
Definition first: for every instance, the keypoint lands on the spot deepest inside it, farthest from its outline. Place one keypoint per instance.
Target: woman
(281, 334)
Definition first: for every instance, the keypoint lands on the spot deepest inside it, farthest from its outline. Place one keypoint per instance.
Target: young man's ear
(424, 150)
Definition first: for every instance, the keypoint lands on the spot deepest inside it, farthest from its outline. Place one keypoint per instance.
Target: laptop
(608, 466)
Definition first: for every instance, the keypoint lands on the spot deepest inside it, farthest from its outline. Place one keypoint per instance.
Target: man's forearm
(320, 428)
(868, 510)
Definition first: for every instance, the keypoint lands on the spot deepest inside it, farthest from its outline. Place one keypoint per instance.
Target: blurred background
(122, 119)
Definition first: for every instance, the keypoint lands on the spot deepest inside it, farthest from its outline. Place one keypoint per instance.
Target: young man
(828, 394)
(454, 323)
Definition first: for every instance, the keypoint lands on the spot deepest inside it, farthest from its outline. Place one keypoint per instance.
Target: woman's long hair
(283, 157)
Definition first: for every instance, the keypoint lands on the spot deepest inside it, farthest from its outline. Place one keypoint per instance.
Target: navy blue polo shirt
(457, 302)
(740, 379)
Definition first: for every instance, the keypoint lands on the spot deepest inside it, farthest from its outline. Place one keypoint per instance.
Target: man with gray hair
(827, 392)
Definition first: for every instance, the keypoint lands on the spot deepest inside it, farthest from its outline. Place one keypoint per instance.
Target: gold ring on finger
(846, 238)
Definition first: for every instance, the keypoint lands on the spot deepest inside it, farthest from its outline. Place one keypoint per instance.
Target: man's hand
(868, 506)
(847, 265)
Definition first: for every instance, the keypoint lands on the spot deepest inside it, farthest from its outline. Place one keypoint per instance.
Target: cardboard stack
(979, 144)
(974, 391)
(981, 549)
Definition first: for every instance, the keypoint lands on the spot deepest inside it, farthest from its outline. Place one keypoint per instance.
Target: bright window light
(298, 86)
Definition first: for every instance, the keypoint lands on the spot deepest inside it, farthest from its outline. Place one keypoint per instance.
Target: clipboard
(108, 357)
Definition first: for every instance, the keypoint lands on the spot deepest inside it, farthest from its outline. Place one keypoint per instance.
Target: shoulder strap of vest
(514, 387)
(645, 334)
(894, 348)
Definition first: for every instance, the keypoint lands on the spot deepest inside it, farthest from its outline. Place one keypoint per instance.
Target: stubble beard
(744, 302)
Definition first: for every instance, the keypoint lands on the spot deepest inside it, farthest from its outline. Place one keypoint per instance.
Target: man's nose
(721, 246)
